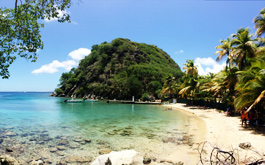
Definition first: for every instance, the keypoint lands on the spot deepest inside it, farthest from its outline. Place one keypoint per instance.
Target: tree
(190, 68)
(260, 23)
(225, 50)
(65, 77)
(154, 88)
(20, 29)
(244, 48)
(170, 86)
(251, 84)
(191, 85)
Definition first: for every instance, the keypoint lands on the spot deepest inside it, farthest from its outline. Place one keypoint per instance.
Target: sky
(185, 29)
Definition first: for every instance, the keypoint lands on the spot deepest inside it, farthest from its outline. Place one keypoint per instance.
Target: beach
(218, 130)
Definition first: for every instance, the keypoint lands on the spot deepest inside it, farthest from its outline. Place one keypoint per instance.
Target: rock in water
(106, 151)
(121, 157)
(77, 159)
(10, 134)
(7, 159)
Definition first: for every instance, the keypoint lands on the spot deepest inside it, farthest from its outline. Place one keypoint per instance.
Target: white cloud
(79, 53)
(61, 14)
(53, 67)
(211, 66)
(206, 61)
(179, 52)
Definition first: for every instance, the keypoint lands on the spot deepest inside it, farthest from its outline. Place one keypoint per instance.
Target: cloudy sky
(185, 29)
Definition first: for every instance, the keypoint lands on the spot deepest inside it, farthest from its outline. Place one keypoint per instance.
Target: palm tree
(225, 50)
(251, 85)
(222, 85)
(190, 68)
(215, 87)
(190, 85)
(260, 23)
(170, 86)
(244, 49)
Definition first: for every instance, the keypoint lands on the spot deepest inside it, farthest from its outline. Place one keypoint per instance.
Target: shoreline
(221, 131)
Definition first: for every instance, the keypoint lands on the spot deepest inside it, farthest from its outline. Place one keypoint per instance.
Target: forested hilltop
(120, 69)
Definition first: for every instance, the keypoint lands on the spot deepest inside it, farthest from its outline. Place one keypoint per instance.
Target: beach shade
(256, 101)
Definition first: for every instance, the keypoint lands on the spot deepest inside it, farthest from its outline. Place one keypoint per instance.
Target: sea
(34, 124)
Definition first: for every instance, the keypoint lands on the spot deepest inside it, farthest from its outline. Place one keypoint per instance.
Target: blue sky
(185, 29)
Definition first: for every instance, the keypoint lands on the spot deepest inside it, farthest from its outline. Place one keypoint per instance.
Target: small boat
(73, 101)
(91, 100)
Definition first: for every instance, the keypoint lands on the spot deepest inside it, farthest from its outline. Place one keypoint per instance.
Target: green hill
(120, 69)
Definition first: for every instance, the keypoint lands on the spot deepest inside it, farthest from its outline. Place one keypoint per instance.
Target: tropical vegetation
(20, 29)
(123, 68)
(241, 83)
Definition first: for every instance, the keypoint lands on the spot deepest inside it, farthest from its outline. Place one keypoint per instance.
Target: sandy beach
(220, 131)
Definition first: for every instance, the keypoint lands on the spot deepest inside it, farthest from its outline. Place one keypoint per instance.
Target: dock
(132, 102)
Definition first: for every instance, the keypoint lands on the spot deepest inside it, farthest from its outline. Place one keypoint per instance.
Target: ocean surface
(30, 118)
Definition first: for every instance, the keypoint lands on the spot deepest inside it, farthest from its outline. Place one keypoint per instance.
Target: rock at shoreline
(10, 134)
(61, 148)
(36, 162)
(53, 150)
(24, 135)
(88, 140)
(48, 161)
(1, 141)
(60, 153)
(8, 160)
(73, 146)
(245, 145)
(79, 140)
(106, 151)
(126, 133)
(122, 157)
(63, 142)
(77, 159)
(147, 160)
(101, 142)
(62, 162)
(9, 150)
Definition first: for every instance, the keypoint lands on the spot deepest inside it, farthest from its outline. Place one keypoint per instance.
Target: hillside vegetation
(120, 69)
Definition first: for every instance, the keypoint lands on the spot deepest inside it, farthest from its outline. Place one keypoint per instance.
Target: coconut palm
(260, 23)
(244, 48)
(170, 86)
(222, 85)
(190, 84)
(190, 68)
(251, 85)
(170, 90)
(225, 50)
(215, 87)
(189, 87)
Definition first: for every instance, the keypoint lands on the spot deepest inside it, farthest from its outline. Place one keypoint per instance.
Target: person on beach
(228, 112)
(251, 118)
(244, 117)
(257, 120)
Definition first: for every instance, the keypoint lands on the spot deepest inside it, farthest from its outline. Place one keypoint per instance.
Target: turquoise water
(117, 126)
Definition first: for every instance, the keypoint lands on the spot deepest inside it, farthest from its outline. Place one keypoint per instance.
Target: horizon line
(26, 91)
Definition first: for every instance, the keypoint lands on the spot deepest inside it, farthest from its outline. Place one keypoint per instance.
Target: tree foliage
(20, 29)
(121, 69)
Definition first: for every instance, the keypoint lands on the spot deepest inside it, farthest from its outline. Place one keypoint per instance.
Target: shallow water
(109, 126)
